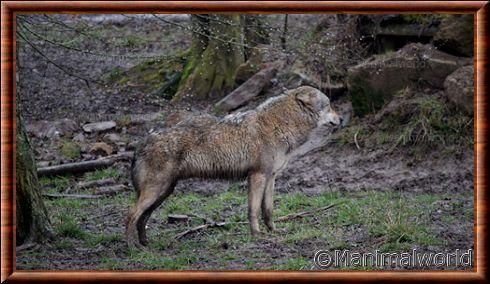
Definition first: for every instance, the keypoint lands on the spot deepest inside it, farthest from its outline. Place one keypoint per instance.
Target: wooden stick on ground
(84, 166)
(205, 226)
(210, 224)
(91, 184)
(304, 213)
(111, 190)
(96, 183)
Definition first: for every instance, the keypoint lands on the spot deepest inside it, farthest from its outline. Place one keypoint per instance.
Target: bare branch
(85, 80)
(213, 224)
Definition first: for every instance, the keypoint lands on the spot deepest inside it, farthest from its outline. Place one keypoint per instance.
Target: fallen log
(248, 90)
(72, 196)
(84, 166)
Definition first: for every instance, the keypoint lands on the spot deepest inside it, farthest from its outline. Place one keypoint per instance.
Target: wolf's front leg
(256, 190)
(268, 203)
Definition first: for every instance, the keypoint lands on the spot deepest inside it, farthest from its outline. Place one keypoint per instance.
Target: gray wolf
(256, 144)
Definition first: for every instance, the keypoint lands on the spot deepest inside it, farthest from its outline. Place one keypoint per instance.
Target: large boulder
(375, 81)
(455, 35)
(459, 88)
(391, 32)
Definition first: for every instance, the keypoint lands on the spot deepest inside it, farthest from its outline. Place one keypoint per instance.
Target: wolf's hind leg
(255, 195)
(151, 195)
(141, 225)
(268, 204)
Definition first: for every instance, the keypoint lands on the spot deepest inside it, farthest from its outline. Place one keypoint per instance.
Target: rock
(112, 138)
(52, 132)
(66, 126)
(51, 129)
(177, 218)
(79, 137)
(459, 88)
(101, 148)
(455, 35)
(99, 126)
(375, 81)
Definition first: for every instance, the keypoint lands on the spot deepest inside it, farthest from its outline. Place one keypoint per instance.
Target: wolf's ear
(307, 99)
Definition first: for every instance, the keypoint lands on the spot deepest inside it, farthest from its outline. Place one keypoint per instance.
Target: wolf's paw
(135, 245)
(144, 241)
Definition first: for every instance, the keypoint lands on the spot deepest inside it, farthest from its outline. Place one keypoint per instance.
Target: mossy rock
(375, 81)
(455, 35)
(415, 120)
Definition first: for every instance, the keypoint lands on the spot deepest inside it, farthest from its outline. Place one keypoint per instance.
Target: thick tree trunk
(216, 52)
(32, 223)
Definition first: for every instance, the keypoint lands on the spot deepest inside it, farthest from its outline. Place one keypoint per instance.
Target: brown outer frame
(8, 10)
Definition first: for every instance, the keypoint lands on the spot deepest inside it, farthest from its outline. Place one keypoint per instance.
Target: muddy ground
(394, 201)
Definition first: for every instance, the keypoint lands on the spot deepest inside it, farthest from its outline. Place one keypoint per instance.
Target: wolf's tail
(134, 173)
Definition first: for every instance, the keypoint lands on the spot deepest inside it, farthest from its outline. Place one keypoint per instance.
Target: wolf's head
(318, 102)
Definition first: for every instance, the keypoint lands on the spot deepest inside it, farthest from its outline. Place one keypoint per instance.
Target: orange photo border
(10, 8)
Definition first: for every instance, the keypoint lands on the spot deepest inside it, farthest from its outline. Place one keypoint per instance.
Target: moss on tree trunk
(32, 218)
(216, 52)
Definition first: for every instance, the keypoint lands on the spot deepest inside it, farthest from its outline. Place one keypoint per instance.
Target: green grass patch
(68, 227)
(298, 263)
(102, 174)
(418, 124)
(55, 184)
(103, 239)
(70, 149)
(361, 221)
(64, 244)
